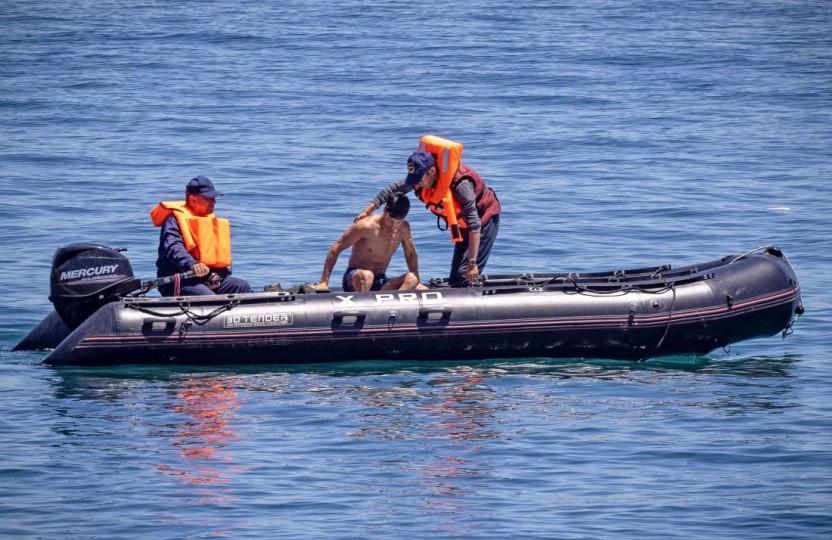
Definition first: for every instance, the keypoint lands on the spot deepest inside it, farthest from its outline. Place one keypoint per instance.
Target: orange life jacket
(440, 198)
(448, 155)
(207, 239)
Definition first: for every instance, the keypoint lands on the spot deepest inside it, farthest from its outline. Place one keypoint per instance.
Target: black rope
(185, 309)
(789, 329)
(666, 328)
(623, 290)
(439, 221)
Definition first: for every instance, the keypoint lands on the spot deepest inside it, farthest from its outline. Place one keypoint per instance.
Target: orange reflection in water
(464, 422)
(204, 438)
(465, 413)
(464, 425)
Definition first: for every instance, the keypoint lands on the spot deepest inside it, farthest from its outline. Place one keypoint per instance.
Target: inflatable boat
(103, 316)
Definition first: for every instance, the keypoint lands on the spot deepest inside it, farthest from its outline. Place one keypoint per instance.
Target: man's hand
(200, 269)
(473, 273)
(323, 286)
(366, 212)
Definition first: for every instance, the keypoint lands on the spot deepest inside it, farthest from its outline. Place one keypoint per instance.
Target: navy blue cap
(417, 165)
(202, 185)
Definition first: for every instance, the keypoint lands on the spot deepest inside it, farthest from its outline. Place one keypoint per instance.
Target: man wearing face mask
(192, 238)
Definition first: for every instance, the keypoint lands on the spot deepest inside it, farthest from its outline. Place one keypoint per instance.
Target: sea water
(616, 134)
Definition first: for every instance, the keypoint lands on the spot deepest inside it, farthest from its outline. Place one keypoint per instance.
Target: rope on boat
(185, 309)
(623, 290)
(666, 328)
(788, 330)
(755, 250)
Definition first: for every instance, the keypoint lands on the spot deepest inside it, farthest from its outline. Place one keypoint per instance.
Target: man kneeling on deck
(374, 240)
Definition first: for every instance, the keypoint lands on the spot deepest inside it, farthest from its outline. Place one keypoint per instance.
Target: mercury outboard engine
(86, 277)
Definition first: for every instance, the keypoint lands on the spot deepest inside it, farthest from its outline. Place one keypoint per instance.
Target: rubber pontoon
(625, 314)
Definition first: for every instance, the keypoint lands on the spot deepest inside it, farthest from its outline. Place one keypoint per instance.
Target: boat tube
(624, 314)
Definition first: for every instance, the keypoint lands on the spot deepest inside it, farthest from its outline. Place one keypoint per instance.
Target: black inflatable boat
(103, 316)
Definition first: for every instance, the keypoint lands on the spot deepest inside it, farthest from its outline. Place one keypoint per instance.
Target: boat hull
(630, 315)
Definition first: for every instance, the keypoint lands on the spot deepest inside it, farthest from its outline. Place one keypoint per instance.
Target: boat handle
(340, 315)
(158, 325)
(445, 311)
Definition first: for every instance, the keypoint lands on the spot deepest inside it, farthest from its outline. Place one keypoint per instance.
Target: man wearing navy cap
(477, 206)
(194, 239)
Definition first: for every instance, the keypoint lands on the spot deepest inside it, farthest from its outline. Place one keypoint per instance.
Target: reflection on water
(74, 379)
(194, 416)
(451, 416)
(205, 435)
(456, 416)
(755, 366)
(465, 426)
(462, 407)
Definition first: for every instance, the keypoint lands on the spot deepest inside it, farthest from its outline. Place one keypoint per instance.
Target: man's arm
(174, 249)
(464, 194)
(467, 200)
(473, 272)
(410, 255)
(397, 187)
(352, 235)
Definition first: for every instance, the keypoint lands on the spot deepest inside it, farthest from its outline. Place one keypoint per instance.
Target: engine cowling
(87, 276)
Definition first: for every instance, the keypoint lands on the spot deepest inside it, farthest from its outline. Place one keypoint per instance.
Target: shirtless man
(374, 240)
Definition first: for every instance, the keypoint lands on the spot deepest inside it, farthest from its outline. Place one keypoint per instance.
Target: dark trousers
(459, 264)
(195, 287)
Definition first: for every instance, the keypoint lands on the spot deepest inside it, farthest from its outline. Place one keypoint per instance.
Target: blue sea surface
(616, 134)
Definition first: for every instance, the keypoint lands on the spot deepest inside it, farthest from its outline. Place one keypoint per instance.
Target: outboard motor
(86, 277)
